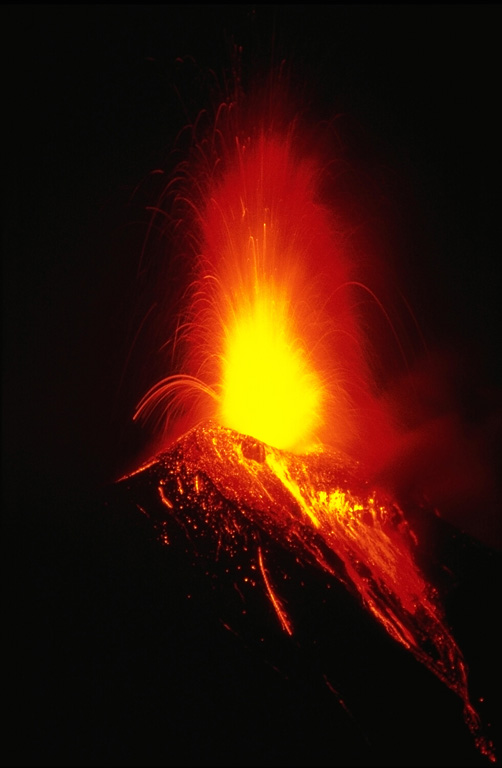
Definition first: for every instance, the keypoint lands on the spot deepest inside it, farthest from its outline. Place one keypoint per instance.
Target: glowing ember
(276, 379)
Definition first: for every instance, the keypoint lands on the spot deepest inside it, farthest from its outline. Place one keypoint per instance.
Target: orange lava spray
(271, 330)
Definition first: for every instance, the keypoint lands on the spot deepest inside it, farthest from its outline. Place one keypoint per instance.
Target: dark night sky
(90, 109)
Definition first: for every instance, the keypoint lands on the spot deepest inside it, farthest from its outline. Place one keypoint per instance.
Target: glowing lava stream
(275, 353)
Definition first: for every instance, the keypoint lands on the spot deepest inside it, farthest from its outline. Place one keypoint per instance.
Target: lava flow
(277, 413)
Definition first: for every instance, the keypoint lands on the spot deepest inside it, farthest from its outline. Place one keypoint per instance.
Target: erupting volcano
(273, 424)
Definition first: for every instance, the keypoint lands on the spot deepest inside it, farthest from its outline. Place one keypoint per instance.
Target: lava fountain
(272, 423)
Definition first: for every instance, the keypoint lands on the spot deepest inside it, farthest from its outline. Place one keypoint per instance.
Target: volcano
(231, 503)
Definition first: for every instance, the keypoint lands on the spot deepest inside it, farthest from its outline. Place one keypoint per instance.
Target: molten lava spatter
(272, 340)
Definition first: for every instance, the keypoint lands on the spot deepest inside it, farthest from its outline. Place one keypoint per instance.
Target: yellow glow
(269, 388)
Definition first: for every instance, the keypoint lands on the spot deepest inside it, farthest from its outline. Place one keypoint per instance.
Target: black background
(107, 663)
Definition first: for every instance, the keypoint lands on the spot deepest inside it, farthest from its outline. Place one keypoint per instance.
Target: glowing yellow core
(269, 388)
